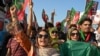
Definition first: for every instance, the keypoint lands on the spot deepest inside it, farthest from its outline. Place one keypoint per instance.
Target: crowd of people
(50, 40)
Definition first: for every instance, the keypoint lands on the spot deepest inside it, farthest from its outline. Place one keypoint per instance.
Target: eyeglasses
(54, 32)
(72, 34)
(40, 36)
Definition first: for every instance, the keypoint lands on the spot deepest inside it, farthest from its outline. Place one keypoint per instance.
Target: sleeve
(9, 43)
(24, 41)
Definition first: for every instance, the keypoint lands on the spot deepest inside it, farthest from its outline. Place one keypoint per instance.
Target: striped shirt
(16, 49)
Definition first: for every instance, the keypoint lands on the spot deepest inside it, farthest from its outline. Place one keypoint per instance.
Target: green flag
(72, 13)
(88, 7)
(63, 24)
(18, 3)
(76, 48)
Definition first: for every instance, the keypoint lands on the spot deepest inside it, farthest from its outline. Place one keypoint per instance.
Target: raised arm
(19, 34)
(13, 12)
(30, 18)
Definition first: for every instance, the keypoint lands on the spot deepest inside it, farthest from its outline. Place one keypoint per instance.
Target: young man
(85, 33)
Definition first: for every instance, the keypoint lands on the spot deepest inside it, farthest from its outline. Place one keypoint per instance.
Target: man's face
(85, 27)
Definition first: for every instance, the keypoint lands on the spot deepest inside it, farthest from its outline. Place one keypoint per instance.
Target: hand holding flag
(44, 16)
(53, 13)
(13, 10)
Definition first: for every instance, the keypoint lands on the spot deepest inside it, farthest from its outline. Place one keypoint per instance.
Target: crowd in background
(50, 40)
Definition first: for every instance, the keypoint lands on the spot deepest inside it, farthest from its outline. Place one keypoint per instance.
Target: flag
(35, 22)
(62, 25)
(87, 2)
(52, 16)
(21, 6)
(77, 48)
(89, 13)
(66, 22)
(68, 13)
(68, 17)
(21, 15)
(94, 7)
(72, 13)
(87, 8)
(44, 16)
(18, 3)
(76, 17)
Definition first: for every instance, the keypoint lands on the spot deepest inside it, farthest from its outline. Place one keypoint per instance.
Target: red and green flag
(76, 17)
(72, 13)
(21, 6)
(87, 12)
(44, 16)
(94, 7)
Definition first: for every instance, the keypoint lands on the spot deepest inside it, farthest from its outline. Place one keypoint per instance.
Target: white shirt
(97, 37)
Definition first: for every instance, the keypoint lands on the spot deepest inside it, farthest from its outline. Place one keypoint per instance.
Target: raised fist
(13, 9)
(30, 4)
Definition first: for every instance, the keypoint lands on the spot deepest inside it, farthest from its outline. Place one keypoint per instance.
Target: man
(61, 34)
(85, 33)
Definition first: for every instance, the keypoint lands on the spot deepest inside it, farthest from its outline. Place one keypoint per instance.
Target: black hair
(85, 19)
(73, 25)
(22, 25)
(2, 4)
(47, 25)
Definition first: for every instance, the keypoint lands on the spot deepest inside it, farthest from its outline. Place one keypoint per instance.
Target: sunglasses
(72, 34)
(54, 32)
(40, 36)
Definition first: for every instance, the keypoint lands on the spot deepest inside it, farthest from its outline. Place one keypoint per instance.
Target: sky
(60, 7)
